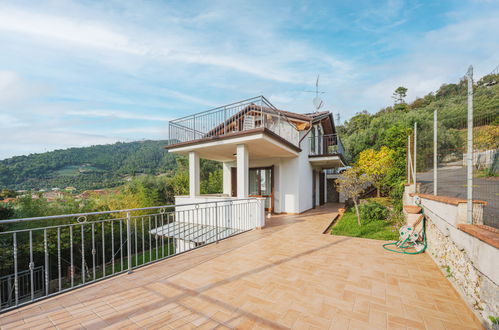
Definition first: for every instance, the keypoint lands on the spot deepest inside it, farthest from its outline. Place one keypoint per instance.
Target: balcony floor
(287, 275)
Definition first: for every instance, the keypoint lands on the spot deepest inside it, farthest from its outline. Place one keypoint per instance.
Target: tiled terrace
(287, 275)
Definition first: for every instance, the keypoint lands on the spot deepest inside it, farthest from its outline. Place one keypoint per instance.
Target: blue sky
(78, 73)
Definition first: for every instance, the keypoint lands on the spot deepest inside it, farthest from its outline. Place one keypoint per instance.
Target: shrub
(373, 211)
(397, 194)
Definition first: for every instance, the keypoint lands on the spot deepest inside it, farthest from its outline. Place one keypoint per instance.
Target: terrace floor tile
(287, 275)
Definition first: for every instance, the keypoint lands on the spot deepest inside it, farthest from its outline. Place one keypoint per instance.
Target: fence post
(414, 169)
(435, 159)
(469, 163)
(408, 159)
(129, 241)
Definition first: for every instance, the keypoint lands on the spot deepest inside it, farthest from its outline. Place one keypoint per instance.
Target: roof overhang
(322, 162)
(261, 142)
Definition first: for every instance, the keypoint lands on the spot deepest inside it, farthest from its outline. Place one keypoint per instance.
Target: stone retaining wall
(469, 263)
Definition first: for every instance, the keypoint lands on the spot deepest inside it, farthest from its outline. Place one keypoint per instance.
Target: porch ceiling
(260, 146)
(326, 161)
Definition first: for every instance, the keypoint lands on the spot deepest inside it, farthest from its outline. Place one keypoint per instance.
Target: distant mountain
(99, 166)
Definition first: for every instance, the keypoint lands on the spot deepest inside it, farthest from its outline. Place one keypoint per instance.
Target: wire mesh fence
(444, 172)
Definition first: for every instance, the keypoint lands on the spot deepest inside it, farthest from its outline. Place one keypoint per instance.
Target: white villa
(268, 153)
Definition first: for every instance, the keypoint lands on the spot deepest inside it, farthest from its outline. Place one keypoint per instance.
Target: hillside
(391, 125)
(99, 166)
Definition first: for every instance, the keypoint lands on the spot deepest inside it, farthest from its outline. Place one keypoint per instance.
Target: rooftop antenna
(317, 101)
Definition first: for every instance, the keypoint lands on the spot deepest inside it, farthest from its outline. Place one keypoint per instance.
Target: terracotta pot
(341, 210)
(412, 209)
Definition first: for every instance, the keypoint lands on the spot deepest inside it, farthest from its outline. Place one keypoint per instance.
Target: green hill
(391, 125)
(99, 166)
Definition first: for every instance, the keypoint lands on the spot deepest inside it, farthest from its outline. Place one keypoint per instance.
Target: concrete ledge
(484, 233)
(446, 199)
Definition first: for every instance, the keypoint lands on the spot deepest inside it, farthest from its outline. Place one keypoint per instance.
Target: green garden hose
(405, 243)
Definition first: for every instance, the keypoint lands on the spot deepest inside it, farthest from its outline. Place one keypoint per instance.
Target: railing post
(194, 126)
(129, 241)
(261, 113)
(260, 213)
(225, 120)
(216, 220)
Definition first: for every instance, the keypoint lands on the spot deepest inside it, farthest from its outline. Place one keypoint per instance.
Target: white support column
(227, 178)
(325, 186)
(242, 171)
(194, 177)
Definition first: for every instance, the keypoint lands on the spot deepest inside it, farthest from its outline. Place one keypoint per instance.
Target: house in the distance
(265, 152)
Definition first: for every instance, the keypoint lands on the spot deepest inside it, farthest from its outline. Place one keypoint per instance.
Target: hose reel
(409, 238)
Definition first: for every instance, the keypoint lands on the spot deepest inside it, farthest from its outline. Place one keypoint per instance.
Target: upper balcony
(326, 151)
(252, 115)
(326, 144)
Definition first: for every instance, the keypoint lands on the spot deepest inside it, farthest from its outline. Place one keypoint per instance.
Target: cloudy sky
(77, 73)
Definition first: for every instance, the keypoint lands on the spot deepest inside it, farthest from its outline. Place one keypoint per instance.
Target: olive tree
(352, 183)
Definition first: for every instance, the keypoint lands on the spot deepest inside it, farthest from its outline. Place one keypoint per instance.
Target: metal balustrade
(44, 256)
(245, 115)
(326, 144)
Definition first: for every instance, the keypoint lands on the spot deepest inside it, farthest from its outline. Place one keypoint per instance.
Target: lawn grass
(380, 229)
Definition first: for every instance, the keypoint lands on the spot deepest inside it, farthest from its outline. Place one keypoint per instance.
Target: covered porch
(251, 162)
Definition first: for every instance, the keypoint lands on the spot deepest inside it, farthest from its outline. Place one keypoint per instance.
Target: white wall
(305, 177)
(292, 180)
(220, 211)
(292, 191)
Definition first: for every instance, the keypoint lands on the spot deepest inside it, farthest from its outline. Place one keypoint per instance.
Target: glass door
(261, 184)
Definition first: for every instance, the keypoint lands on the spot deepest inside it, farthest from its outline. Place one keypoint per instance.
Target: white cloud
(441, 56)
(13, 89)
(272, 58)
(120, 63)
(84, 33)
(117, 114)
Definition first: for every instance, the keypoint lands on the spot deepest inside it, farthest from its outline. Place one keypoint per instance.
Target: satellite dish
(318, 103)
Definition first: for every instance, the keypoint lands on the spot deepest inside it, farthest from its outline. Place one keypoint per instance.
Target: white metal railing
(244, 115)
(44, 256)
(325, 144)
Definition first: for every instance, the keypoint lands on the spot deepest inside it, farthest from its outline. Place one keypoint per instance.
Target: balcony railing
(245, 115)
(327, 144)
(44, 256)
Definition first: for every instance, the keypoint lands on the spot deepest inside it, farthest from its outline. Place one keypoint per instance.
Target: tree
(399, 95)
(376, 164)
(351, 183)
